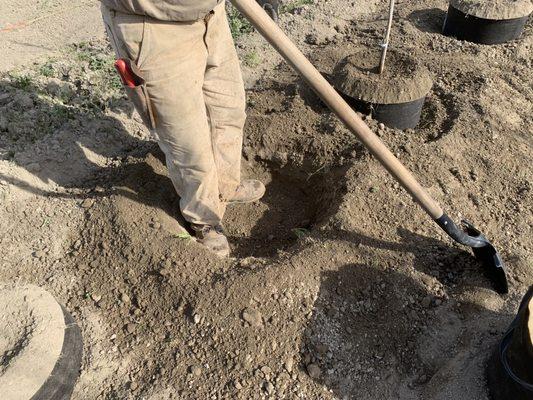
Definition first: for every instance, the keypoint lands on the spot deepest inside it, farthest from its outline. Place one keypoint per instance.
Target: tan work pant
(193, 97)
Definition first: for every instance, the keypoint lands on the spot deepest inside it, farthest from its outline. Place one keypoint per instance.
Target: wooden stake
(385, 45)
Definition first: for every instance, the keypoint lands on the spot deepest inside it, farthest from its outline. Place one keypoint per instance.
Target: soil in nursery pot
(494, 9)
(394, 97)
(40, 345)
(485, 22)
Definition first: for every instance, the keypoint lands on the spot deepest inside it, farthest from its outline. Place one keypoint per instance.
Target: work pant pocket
(140, 99)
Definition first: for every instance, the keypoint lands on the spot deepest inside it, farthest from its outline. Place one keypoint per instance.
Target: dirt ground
(340, 287)
(33, 30)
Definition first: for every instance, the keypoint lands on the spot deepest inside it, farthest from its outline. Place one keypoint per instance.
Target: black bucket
(399, 116)
(480, 30)
(60, 384)
(509, 374)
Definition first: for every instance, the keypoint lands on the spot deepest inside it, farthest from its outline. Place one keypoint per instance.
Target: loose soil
(340, 287)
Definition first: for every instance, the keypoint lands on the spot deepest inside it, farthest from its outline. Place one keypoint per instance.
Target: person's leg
(172, 57)
(225, 102)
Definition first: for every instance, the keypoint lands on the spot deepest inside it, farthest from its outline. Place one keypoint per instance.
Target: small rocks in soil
(314, 371)
(195, 370)
(252, 316)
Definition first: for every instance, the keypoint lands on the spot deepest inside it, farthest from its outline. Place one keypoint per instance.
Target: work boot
(249, 190)
(213, 238)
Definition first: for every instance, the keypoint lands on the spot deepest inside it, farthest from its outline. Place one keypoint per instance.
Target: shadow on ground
(90, 154)
(293, 204)
(451, 265)
(429, 20)
(373, 335)
(87, 152)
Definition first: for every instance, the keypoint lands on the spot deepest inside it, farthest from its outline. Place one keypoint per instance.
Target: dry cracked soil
(339, 286)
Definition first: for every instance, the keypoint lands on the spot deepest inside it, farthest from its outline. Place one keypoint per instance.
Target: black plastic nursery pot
(60, 384)
(509, 373)
(399, 116)
(42, 345)
(485, 24)
(395, 98)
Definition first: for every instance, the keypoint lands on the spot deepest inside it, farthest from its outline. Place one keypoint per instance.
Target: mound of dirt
(33, 330)
(404, 79)
(494, 9)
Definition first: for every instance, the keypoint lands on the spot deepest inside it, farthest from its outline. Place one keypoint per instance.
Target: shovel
(468, 236)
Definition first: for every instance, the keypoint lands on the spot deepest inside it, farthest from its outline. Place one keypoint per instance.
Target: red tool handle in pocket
(126, 74)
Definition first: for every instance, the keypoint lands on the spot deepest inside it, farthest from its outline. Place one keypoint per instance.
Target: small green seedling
(239, 25)
(47, 69)
(300, 232)
(183, 236)
(293, 5)
(20, 81)
(252, 59)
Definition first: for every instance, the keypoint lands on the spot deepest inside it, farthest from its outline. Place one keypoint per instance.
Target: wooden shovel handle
(271, 32)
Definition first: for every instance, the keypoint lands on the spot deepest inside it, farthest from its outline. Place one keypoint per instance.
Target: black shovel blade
(490, 259)
(482, 248)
